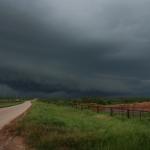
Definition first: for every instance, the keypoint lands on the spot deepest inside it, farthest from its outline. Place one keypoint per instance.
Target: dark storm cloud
(67, 47)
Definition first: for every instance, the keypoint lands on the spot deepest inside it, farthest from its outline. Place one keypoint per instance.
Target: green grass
(9, 103)
(53, 127)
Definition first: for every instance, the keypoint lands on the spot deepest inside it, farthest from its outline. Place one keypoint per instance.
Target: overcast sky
(74, 47)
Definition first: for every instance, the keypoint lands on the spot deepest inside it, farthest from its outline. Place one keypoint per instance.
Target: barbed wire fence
(123, 111)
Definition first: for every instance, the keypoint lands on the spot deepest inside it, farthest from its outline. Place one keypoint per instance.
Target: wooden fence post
(97, 107)
(140, 115)
(111, 111)
(128, 113)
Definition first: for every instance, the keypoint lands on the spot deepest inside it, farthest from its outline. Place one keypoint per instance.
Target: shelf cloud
(74, 47)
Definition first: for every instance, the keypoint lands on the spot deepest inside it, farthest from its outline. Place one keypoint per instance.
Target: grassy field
(53, 127)
(6, 103)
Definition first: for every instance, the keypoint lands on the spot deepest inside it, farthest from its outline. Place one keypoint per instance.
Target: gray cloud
(67, 47)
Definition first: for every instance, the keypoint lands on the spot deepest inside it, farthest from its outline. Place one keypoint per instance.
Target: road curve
(8, 114)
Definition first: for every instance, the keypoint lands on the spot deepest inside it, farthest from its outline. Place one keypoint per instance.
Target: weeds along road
(8, 114)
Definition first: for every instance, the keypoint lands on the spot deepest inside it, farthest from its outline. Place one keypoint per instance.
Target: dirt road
(10, 113)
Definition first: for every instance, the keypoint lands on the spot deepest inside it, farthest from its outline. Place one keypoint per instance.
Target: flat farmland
(144, 106)
(8, 103)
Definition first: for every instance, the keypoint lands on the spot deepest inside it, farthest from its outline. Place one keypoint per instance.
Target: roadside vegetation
(9, 102)
(49, 126)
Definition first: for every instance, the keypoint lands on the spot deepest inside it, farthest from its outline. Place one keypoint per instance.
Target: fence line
(129, 112)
